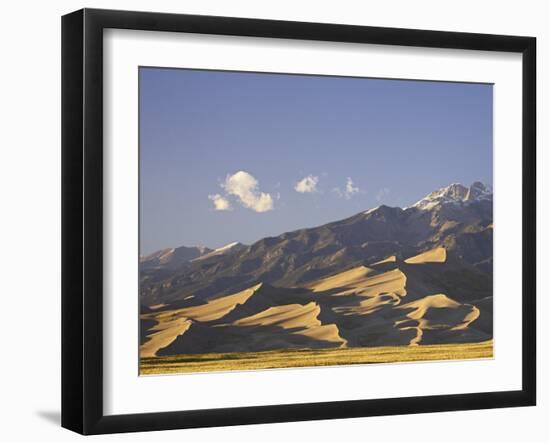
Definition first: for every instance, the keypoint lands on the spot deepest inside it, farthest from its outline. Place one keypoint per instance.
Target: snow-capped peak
(227, 247)
(224, 250)
(371, 210)
(455, 193)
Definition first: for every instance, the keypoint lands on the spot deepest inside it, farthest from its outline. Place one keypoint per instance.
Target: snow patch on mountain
(224, 250)
(227, 247)
(371, 210)
(455, 193)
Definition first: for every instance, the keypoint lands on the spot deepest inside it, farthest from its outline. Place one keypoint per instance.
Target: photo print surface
(299, 220)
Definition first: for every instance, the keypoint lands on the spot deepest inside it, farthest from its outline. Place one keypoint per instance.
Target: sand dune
(216, 309)
(279, 327)
(286, 317)
(173, 323)
(437, 313)
(275, 326)
(362, 306)
(363, 281)
(349, 278)
(328, 333)
(369, 305)
(163, 334)
(301, 317)
(436, 255)
(469, 318)
(390, 259)
(429, 302)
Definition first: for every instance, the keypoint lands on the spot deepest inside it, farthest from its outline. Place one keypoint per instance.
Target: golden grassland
(312, 357)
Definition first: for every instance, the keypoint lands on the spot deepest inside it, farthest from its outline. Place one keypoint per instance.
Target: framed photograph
(269, 221)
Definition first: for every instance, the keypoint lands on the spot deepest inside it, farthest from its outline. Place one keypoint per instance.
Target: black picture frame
(82, 220)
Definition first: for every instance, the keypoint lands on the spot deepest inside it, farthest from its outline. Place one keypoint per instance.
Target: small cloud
(382, 194)
(307, 184)
(246, 188)
(350, 189)
(220, 202)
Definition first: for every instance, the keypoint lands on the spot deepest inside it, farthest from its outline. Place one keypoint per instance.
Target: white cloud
(350, 189)
(382, 193)
(220, 203)
(245, 187)
(307, 184)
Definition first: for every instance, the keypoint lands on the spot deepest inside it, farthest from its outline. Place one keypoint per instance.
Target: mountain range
(386, 276)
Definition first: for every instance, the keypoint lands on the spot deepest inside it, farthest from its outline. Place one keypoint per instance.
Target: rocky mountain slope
(456, 217)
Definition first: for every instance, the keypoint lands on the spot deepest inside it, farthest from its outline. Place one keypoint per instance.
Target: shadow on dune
(202, 339)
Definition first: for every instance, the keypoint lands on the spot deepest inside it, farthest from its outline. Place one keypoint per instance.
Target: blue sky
(229, 156)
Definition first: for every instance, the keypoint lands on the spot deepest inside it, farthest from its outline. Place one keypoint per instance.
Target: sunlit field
(308, 357)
